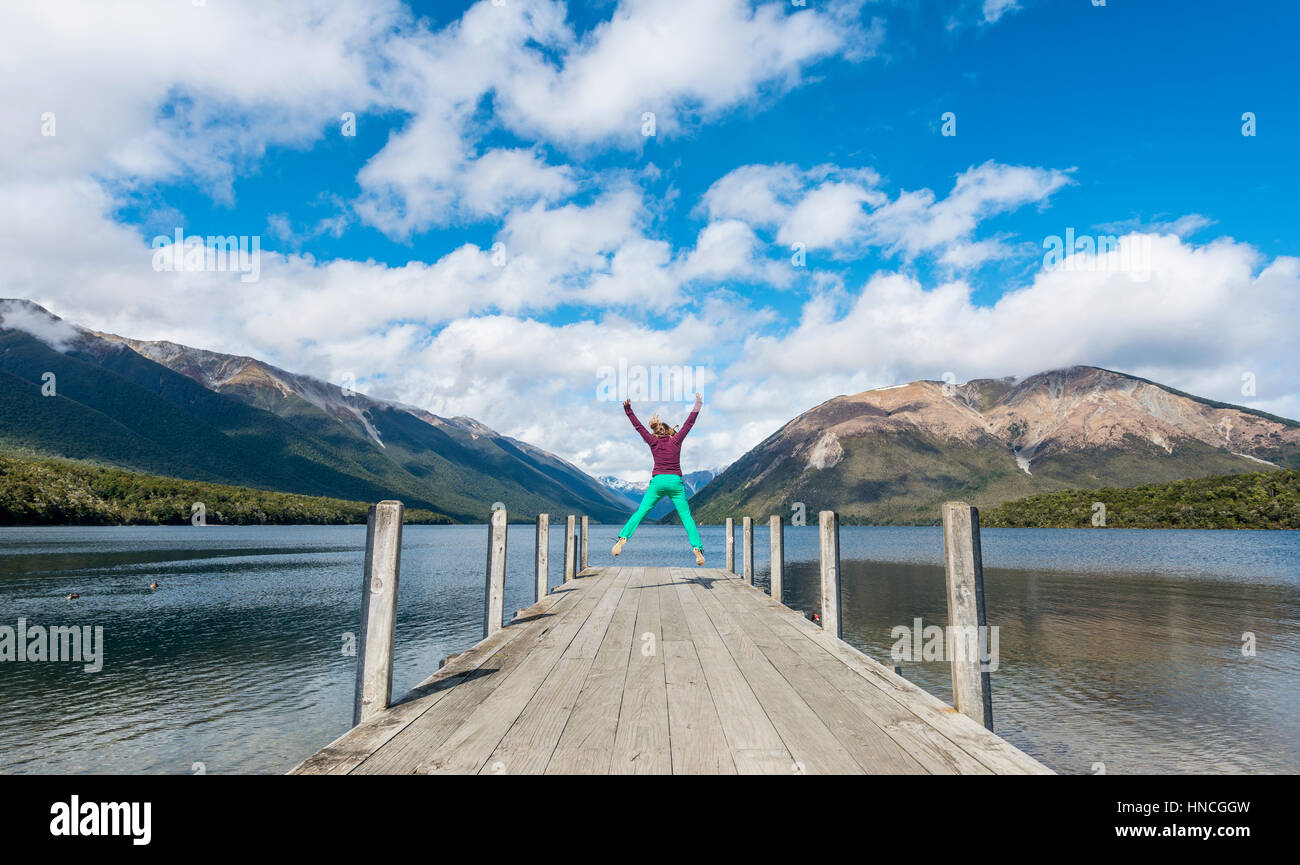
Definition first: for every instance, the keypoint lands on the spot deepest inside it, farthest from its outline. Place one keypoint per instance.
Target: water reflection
(236, 661)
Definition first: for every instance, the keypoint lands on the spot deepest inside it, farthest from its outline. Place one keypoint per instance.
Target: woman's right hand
(698, 399)
(627, 403)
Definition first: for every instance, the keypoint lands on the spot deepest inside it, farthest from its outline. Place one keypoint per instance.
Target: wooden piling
(776, 529)
(731, 545)
(747, 549)
(494, 590)
(830, 572)
(964, 570)
(543, 584)
(383, 563)
(582, 547)
(569, 560)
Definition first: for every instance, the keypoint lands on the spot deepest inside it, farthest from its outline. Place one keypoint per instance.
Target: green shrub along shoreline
(1260, 500)
(38, 491)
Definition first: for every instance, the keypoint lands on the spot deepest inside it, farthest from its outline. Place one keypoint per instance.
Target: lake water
(1116, 647)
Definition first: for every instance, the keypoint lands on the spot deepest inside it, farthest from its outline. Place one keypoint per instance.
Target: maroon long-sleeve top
(667, 450)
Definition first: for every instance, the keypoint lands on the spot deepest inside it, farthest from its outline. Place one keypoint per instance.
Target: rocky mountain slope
(182, 412)
(892, 455)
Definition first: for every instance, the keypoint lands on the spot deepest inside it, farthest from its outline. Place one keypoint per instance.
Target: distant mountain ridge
(893, 454)
(166, 408)
(633, 491)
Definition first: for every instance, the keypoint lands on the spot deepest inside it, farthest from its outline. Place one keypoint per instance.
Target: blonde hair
(660, 428)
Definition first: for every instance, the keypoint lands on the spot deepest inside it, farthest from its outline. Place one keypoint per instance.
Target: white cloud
(823, 207)
(995, 9)
(678, 60)
(141, 94)
(827, 216)
(758, 194)
(457, 337)
(1201, 317)
(681, 62)
(202, 92)
(917, 222)
(830, 207)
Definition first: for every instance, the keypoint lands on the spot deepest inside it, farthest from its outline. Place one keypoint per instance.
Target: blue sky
(521, 125)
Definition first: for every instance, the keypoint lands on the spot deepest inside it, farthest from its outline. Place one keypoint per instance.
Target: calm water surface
(1121, 648)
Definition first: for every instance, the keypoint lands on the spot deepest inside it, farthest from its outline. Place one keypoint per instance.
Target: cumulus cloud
(490, 106)
(188, 91)
(680, 63)
(1194, 317)
(918, 222)
(830, 207)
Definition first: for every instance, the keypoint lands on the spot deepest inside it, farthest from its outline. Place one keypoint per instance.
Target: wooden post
(568, 549)
(964, 569)
(582, 548)
(574, 543)
(378, 610)
(731, 545)
(776, 528)
(543, 554)
(830, 538)
(494, 591)
(747, 549)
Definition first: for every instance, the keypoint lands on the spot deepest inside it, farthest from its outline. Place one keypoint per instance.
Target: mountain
(632, 491)
(893, 454)
(168, 409)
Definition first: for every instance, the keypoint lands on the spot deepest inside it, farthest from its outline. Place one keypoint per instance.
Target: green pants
(660, 486)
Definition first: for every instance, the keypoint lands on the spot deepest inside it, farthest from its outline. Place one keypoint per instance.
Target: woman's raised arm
(690, 421)
(636, 424)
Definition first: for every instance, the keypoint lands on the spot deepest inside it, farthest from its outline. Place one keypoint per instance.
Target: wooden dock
(629, 670)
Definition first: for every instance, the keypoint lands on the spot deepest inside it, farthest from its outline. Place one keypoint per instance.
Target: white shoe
(699, 557)
(618, 546)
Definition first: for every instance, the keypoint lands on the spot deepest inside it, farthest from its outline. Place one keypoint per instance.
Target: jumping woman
(666, 480)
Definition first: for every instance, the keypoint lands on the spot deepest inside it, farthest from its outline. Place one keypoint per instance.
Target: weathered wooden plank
(776, 761)
(383, 562)
(348, 751)
(812, 744)
(870, 746)
(744, 720)
(995, 753)
(641, 741)
(934, 751)
(423, 736)
(612, 583)
(468, 748)
(734, 682)
(672, 620)
(587, 743)
(697, 743)
(528, 745)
